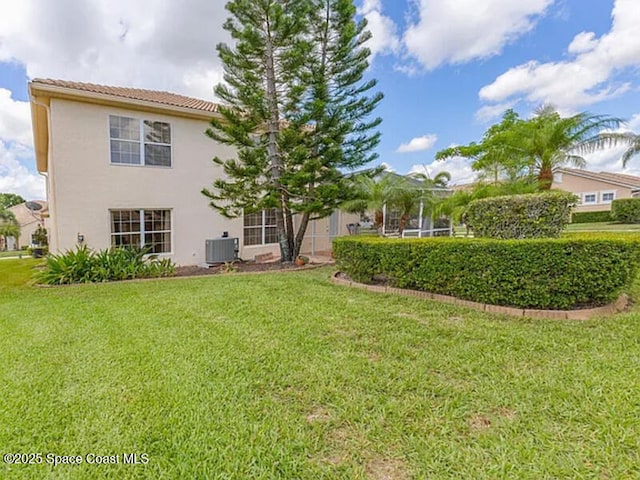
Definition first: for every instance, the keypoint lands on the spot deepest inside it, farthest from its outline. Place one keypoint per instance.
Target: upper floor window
(260, 227)
(590, 198)
(139, 142)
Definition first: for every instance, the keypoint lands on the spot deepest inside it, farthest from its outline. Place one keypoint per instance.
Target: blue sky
(447, 68)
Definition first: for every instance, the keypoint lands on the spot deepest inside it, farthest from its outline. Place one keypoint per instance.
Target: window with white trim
(142, 228)
(260, 228)
(589, 198)
(607, 197)
(139, 142)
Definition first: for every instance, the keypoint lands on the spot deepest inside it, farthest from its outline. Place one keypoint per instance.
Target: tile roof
(619, 178)
(165, 98)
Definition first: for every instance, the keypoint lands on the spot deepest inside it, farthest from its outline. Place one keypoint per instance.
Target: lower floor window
(149, 229)
(260, 227)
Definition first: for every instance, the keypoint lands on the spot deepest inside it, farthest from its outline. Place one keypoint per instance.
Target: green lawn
(13, 253)
(602, 227)
(287, 376)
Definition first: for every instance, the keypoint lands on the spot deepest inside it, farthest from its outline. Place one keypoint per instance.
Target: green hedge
(539, 215)
(591, 217)
(626, 210)
(560, 273)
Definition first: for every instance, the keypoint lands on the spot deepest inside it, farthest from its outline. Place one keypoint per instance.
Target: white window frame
(142, 142)
(602, 194)
(263, 231)
(584, 198)
(557, 177)
(142, 231)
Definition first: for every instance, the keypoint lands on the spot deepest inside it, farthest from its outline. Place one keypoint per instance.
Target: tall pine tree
(296, 110)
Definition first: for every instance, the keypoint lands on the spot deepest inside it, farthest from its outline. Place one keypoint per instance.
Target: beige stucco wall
(83, 185)
(581, 186)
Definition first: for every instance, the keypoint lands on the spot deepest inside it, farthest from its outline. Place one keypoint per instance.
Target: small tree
(8, 200)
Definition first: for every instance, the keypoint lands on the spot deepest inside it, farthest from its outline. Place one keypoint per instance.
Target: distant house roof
(41, 91)
(621, 179)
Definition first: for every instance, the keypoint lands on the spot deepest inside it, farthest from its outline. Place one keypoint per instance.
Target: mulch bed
(240, 267)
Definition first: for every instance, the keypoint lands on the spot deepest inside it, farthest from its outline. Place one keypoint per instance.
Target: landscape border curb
(582, 314)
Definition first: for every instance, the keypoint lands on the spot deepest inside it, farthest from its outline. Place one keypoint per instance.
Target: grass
(602, 227)
(13, 253)
(288, 376)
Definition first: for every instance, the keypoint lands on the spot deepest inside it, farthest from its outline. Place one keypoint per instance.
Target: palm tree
(9, 226)
(373, 193)
(548, 141)
(440, 180)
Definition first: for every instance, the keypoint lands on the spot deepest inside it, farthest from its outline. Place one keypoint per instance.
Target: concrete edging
(583, 314)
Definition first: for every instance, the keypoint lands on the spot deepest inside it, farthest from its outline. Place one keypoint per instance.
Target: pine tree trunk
(302, 230)
(275, 161)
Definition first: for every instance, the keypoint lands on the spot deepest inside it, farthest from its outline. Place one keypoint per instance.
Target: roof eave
(597, 179)
(40, 128)
(66, 93)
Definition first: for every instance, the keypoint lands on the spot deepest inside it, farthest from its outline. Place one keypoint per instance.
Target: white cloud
(14, 176)
(452, 32)
(458, 167)
(491, 112)
(16, 149)
(587, 77)
(418, 144)
(384, 32)
(15, 120)
(386, 167)
(159, 45)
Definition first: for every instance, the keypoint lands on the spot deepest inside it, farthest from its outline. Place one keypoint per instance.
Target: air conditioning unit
(221, 250)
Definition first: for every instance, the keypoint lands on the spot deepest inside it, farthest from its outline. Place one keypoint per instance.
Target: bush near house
(626, 210)
(563, 273)
(540, 215)
(83, 265)
(591, 217)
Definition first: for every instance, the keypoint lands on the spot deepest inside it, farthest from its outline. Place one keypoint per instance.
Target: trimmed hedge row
(538, 215)
(562, 274)
(626, 210)
(591, 217)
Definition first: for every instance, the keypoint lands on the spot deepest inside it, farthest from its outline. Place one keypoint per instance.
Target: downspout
(49, 188)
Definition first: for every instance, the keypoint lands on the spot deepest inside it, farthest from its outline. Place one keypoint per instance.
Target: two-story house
(126, 166)
(596, 190)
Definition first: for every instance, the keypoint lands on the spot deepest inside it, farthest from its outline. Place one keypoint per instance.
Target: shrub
(560, 273)
(626, 210)
(591, 217)
(539, 215)
(83, 265)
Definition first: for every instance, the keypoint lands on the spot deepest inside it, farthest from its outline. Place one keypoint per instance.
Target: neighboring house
(595, 190)
(126, 166)
(29, 216)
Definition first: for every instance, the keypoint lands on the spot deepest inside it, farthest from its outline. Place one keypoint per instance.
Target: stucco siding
(585, 186)
(87, 186)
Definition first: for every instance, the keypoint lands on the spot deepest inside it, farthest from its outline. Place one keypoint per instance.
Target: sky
(448, 68)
